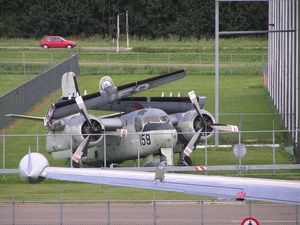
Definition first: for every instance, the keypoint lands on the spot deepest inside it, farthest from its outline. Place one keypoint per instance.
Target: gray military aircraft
(144, 127)
(34, 168)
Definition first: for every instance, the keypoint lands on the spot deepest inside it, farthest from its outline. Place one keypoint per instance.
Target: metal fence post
(297, 218)
(169, 61)
(24, 64)
(273, 148)
(231, 64)
(108, 63)
(250, 210)
(3, 152)
(108, 212)
(202, 212)
(51, 60)
(13, 209)
(61, 212)
(137, 63)
(37, 139)
(200, 64)
(154, 212)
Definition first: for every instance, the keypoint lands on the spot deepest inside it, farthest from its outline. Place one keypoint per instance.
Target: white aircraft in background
(34, 168)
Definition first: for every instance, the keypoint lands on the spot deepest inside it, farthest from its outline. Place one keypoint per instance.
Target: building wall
(283, 64)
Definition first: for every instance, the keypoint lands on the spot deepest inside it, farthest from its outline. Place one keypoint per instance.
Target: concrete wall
(21, 99)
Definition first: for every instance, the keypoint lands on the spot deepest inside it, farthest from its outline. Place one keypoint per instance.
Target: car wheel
(45, 46)
(69, 46)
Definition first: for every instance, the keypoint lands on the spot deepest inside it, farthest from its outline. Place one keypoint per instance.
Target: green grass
(14, 189)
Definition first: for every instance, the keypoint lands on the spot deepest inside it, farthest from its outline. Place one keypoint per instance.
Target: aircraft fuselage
(148, 130)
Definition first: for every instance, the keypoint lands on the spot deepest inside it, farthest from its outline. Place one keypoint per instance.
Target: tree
(148, 18)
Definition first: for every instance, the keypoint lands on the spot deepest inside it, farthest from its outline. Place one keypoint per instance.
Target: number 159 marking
(145, 139)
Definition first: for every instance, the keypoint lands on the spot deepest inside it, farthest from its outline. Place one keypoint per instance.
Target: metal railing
(254, 142)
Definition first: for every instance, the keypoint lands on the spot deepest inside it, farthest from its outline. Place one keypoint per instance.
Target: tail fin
(69, 86)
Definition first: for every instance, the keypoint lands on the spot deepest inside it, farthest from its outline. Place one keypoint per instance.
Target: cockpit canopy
(156, 118)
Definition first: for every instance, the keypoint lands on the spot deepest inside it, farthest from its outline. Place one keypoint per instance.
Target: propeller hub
(93, 128)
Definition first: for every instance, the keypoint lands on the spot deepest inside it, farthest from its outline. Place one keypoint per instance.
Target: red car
(56, 42)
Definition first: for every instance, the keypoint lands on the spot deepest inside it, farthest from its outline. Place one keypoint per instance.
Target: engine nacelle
(77, 128)
(31, 166)
(190, 122)
(106, 84)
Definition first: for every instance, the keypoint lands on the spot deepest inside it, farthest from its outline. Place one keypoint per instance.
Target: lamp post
(127, 29)
(118, 32)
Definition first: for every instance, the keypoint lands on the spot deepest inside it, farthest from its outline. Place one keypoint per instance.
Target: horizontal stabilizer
(25, 117)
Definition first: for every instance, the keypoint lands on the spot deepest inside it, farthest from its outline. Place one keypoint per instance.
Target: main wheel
(45, 46)
(188, 160)
(69, 46)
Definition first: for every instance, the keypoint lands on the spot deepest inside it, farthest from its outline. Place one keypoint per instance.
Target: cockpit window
(138, 124)
(153, 119)
(164, 119)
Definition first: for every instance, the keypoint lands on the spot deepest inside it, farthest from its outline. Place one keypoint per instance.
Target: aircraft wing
(269, 190)
(224, 187)
(170, 105)
(92, 101)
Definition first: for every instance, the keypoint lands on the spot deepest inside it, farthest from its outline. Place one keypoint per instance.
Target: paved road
(85, 48)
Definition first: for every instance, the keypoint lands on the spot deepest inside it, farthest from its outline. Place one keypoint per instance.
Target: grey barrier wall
(21, 99)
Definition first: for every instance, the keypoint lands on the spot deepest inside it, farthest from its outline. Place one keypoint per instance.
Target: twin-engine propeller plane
(144, 127)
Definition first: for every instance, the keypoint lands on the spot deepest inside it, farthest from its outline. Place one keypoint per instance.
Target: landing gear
(188, 160)
(185, 161)
(76, 165)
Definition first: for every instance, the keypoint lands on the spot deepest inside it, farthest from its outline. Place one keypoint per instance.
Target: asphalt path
(148, 213)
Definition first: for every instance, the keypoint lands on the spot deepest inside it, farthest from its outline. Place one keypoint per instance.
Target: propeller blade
(224, 127)
(195, 102)
(82, 107)
(191, 145)
(80, 150)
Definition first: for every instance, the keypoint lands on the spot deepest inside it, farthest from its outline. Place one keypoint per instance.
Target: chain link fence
(214, 212)
(28, 64)
(107, 63)
(264, 148)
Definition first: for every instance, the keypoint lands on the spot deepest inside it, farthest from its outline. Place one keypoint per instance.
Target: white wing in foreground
(35, 167)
